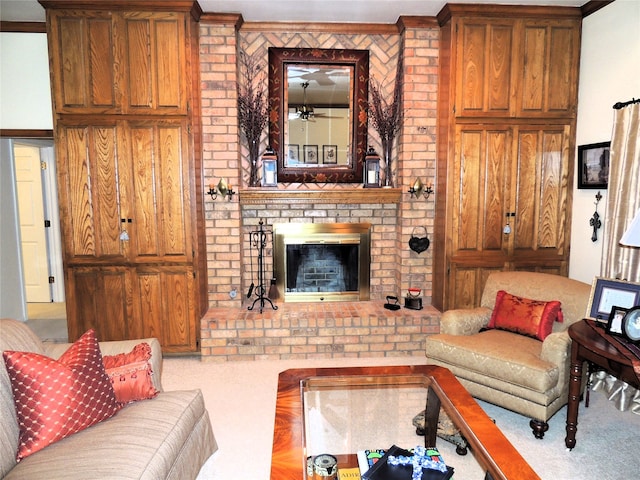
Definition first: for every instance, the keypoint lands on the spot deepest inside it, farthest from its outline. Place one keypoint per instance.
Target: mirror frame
(279, 59)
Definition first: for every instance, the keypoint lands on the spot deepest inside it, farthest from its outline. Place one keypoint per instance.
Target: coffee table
(339, 411)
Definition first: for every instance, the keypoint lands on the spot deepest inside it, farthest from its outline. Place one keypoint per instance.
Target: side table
(590, 346)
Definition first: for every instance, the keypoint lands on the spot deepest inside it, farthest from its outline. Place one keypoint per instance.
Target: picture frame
(293, 152)
(310, 154)
(631, 325)
(593, 165)
(330, 154)
(614, 324)
(607, 293)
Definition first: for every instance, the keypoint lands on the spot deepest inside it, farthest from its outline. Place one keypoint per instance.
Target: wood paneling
(506, 140)
(122, 87)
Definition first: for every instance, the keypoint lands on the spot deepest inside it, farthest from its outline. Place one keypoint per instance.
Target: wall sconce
(221, 189)
(418, 189)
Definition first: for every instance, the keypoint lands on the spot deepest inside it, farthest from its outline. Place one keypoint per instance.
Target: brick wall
(394, 266)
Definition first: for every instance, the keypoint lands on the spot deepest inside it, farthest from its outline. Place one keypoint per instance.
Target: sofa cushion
(142, 442)
(499, 354)
(57, 398)
(130, 374)
(525, 316)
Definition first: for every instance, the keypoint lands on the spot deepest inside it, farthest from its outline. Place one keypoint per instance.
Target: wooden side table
(589, 346)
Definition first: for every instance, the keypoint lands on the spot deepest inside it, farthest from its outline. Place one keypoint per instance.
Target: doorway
(39, 224)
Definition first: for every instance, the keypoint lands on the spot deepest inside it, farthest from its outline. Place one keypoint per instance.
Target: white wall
(25, 94)
(609, 73)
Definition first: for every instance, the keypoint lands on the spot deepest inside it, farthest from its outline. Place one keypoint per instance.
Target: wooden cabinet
(506, 142)
(119, 62)
(127, 167)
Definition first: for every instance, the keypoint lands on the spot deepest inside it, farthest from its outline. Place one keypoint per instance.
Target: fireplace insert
(322, 262)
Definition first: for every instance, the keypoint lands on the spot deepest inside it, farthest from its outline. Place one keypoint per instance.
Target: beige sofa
(513, 371)
(167, 437)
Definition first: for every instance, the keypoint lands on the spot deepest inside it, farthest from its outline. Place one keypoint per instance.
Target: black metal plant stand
(258, 240)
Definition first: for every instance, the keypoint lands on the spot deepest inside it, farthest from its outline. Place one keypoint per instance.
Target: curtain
(623, 202)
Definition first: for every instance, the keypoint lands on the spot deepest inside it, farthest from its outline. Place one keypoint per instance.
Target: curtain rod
(620, 105)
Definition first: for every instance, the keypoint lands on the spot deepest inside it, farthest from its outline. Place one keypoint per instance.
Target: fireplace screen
(318, 262)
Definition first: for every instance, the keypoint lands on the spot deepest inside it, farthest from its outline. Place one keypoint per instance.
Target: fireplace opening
(322, 262)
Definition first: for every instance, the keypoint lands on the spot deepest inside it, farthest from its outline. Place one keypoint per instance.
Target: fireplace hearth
(322, 262)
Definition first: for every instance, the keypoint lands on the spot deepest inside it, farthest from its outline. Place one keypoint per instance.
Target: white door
(31, 212)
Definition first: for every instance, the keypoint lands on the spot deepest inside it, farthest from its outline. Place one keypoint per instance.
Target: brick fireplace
(305, 330)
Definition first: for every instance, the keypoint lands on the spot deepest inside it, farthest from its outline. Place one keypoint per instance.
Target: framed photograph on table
(593, 165)
(607, 293)
(614, 324)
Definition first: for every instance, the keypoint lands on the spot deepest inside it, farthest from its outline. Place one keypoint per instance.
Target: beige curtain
(619, 261)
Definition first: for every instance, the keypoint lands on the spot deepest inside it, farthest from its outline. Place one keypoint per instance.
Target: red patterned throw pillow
(130, 374)
(533, 318)
(57, 398)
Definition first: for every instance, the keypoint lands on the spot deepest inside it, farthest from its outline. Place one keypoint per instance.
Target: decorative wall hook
(595, 219)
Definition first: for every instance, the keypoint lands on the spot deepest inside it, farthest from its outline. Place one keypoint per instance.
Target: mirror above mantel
(318, 119)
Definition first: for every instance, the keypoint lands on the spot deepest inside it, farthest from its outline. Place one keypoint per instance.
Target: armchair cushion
(524, 316)
(499, 354)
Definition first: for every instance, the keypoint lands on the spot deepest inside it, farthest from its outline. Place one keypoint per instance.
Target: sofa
(506, 368)
(166, 437)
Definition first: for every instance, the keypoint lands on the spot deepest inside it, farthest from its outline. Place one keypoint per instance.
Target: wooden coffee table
(300, 403)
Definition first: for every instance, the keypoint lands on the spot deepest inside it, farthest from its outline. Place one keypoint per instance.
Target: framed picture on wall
(311, 154)
(329, 154)
(293, 152)
(593, 165)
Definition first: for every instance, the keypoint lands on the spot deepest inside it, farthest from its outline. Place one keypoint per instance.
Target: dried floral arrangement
(386, 116)
(253, 107)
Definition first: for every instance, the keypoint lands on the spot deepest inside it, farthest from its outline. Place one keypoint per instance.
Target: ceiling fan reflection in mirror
(306, 112)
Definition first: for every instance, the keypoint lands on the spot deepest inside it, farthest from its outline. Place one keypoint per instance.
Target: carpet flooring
(240, 398)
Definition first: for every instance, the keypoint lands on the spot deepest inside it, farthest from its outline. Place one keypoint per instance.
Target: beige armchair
(513, 371)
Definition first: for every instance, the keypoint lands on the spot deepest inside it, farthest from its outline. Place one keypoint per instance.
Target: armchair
(513, 371)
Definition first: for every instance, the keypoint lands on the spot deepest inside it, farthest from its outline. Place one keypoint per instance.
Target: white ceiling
(358, 11)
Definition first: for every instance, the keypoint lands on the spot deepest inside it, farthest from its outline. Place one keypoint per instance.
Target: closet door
(82, 61)
(160, 193)
(154, 56)
(485, 69)
(480, 188)
(92, 179)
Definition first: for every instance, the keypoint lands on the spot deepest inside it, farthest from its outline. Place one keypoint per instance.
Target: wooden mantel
(258, 196)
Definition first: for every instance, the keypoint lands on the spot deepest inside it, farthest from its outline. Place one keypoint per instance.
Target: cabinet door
(480, 187)
(549, 72)
(540, 227)
(166, 307)
(91, 178)
(154, 57)
(159, 202)
(484, 68)
(99, 298)
(82, 61)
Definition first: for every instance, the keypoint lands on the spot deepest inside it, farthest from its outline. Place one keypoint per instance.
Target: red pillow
(130, 374)
(57, 398)
(521, 315)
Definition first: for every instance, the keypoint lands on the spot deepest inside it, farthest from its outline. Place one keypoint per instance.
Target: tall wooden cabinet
(506, 139)
(124, 80)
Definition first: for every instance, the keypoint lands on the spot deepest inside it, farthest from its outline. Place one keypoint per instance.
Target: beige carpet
(241, 396)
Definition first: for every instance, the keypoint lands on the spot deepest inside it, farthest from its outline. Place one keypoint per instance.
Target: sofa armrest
(464, 321)
(54, 350)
